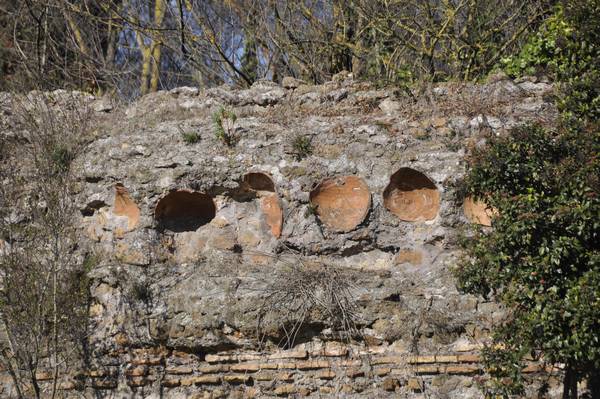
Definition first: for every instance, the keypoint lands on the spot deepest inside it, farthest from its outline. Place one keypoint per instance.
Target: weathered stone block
(414, 384)
(390, 384)
(381, 371)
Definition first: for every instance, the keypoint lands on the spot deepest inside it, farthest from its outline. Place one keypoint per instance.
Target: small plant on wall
(301, 147)
(140, 292)
(224, 125)
(189, 137)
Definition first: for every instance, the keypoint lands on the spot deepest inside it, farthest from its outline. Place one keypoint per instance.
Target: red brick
(237, 378)
(421, 359)
(170, 382)
(469, 358)
(312, 364)
(297, 354)
(381, 371)
(462, 369)
(446, 358)
(325, 375)
(213, 368)
(250, 367)
(427, 369)
(179, 370)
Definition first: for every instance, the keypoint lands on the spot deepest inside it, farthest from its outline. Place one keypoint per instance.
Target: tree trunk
(594, 384)
(570, 383)
(159, 14)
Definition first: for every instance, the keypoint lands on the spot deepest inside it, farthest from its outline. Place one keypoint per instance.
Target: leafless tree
(43, 291)
(135, 46)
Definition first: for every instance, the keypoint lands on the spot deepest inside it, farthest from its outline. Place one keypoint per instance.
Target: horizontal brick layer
(279, 370)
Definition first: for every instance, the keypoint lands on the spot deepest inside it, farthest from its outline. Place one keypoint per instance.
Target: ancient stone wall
(195, 238)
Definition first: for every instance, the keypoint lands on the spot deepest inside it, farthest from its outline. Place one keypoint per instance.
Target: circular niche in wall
(341, 203)
(184, 210)
(478, 212)
(412, 196)
(259, 182)
(262, 184)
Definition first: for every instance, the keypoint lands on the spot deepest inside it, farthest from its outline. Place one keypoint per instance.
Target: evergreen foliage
(541, 259)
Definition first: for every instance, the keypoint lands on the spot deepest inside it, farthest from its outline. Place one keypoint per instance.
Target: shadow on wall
(183, 210)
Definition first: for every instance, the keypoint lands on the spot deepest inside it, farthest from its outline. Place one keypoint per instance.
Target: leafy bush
(580, 71)
(542, 258)
(543, 52)
(567, 48)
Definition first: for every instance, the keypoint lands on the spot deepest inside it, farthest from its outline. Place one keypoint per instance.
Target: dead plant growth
(304, 294)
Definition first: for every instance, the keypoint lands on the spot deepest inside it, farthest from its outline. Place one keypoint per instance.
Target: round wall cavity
(259, 182)
(411, 196)
(262, 184)
(181, 211)
(478, 212)
(342, 202)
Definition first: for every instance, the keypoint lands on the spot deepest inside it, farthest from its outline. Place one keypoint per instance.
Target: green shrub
(542, 53)
(190, 137)
(61, 157)
(541, 260)
(301, 147)
(140, 292)
(310, 210)
(567, 48)
(224, 122)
